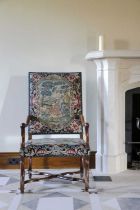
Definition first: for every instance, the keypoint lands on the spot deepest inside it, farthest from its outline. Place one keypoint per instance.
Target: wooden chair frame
(84, 161)
(55, 107)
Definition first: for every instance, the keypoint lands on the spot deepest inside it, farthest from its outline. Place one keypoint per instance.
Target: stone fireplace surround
(117, 72)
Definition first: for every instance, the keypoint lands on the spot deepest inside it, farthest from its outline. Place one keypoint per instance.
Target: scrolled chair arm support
(86, 128)
(24, 125)
(87, 132)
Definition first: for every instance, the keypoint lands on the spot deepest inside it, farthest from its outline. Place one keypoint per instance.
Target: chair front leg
(22, 174)
(86, 171)
(30, 167)
(81, 167)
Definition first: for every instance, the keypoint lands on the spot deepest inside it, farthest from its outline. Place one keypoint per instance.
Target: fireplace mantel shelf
(112, 54)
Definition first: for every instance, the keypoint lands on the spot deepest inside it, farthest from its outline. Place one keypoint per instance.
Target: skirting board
(10, 160)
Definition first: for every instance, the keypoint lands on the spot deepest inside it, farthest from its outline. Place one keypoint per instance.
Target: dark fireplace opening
(132, 128)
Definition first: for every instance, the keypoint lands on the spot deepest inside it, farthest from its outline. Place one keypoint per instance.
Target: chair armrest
(31, 118)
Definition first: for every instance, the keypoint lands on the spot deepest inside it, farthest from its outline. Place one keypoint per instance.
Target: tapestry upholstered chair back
(55, 107)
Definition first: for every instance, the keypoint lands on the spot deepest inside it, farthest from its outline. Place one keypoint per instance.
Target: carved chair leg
(86, 172)
(30, 168)
(22, 174)
(81, 168)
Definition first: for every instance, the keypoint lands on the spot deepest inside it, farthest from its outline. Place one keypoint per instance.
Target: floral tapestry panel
(55, 99)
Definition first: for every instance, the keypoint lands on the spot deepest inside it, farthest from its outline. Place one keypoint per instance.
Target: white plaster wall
(34, 36)
(55, 35)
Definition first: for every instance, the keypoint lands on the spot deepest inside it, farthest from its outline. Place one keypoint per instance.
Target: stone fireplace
(117, 72)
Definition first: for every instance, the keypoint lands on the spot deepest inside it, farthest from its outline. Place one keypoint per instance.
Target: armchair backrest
(55, 100)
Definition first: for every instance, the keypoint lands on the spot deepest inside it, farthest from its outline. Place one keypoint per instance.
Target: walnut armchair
(55, 107)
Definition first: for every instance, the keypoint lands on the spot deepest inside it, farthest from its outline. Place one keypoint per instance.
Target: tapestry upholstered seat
(55, 107)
